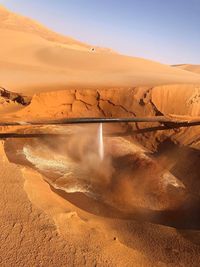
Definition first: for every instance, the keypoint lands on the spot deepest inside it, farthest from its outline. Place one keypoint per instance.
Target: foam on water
(42, 163)
(62, 167)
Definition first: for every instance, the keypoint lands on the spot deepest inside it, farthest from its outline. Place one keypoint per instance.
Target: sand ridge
(39, 60)
(189, 67)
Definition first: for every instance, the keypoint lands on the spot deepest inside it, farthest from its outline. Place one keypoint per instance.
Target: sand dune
(189, 67)
(34, 59)
(149, 213)
(15, 22)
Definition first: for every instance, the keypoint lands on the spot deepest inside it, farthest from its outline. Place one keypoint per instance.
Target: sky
(166, 31)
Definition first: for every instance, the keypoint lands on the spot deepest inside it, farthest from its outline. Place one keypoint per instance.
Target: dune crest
(189, 67)
(15, 22)
(39, 60)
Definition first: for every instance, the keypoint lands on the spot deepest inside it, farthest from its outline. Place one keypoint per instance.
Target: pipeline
(161, 119)
(167, 123)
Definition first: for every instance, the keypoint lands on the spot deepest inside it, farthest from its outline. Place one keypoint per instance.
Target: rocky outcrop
(8, 96)
(177, 99)
(180, 100)
(138, 101)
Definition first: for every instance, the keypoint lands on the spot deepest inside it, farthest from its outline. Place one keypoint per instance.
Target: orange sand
(44, 226)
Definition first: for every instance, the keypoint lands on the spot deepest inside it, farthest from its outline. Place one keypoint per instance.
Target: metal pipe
(126, 133)
(168, 123)
(160, 119)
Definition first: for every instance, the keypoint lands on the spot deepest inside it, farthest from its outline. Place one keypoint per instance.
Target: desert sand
(189, 67)
(72, 197)
(52, 62)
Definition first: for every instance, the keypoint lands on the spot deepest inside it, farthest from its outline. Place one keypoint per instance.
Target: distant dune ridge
(33, 59)
(189, 67)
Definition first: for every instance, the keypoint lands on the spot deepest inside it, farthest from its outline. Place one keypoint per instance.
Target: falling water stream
(100, 142)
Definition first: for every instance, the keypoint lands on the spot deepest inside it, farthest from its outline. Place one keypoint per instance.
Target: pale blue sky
(162, 30)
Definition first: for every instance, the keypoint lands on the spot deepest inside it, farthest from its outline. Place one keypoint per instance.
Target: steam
(100, 142)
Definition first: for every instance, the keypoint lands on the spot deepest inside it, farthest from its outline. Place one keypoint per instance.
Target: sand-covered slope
(189, 67)
(177, 99)
(15, 22)
(33, 59)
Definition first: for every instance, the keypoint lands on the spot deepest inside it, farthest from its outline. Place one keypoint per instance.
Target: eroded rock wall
(138, 101)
